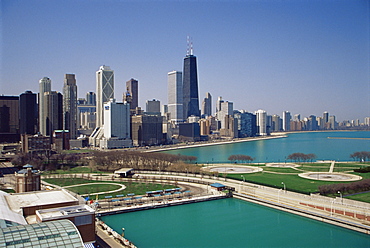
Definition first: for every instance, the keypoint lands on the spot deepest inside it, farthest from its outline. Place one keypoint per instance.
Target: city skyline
(302, 57)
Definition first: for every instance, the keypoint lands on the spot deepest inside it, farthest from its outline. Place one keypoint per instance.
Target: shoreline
(280, 135)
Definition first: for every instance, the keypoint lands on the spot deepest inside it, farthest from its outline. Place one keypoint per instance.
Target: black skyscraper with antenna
(190, 84)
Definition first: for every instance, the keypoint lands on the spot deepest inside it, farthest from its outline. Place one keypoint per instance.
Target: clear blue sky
(303, 56)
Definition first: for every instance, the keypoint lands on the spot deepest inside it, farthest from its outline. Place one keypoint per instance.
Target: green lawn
(93, 188)
(365, 197)
(131, 187)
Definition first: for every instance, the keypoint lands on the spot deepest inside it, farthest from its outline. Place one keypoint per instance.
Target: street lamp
(284, 186)
(243, 177)
(341, 196)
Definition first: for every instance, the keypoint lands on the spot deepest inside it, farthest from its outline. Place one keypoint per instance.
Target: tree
(361, 156)
(298, 157)
(240, 157)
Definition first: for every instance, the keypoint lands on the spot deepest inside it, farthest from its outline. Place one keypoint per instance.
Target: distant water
(230, 223)
(276, 150)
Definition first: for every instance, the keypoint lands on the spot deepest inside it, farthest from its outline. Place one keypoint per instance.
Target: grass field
(131, 187)
(365, 197)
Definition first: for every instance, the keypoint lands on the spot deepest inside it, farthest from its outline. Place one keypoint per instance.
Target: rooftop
(52, 213)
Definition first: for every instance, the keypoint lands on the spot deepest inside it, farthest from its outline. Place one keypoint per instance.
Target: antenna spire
(189, 50)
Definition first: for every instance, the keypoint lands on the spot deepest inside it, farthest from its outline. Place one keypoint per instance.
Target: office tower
(132, 86)
(28, 113)
(90, 98)
(116, 120)
(332, 122)
(190, 85)
(261, 121)
(226, 108)
(205, 127)
(44, 86)
(104, 91)
(70, 105)
(153, 107)
(286, 121)
(276, 127)
(207, 105)
(367, 121)
(53, 110)
(147, 130)
(297, 117)
(9, 119)
(175, 96)
(164, 110)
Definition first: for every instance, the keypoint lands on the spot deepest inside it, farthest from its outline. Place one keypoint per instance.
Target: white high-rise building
(44, 86)
(175, 96)
(207, 105)
(104, 91)
(261, 119)
(225, 108)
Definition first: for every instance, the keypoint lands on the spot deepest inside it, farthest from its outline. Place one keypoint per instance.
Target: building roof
(8, 217)
(59, 233)
(123, 170)
(36, 198)
(70, 211)
(217, 185)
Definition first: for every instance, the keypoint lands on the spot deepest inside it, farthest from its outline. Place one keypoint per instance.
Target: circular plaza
(326, 176)
(232, 169)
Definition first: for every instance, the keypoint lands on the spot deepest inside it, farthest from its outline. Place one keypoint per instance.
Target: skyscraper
(207, 105)
(175, 96)
(104, 91)
(132, 86)
(153, 107)
(70, 105)
(44, 86)
(286, 121)
(53, 110)
(190, 85)
(261, 120)
(227, 108)
(28, 113)
(90, 98)
(9, 119)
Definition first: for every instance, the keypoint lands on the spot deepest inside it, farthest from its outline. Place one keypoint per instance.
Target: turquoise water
(276, 150)
(230, 223)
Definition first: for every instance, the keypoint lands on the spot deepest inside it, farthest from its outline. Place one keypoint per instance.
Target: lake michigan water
(237, 223)
(276, 150)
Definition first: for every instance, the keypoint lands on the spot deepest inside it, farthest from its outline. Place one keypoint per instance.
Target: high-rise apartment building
(190, 86)
(70, 105)
(261, 121)
(276, 127)
(28, 113)
(132, 86)
(286, 121)
(226, 108)
(175, 97)
(207, 105)
(104, 91)
(44, 86)
(53, 110)
(246, 123)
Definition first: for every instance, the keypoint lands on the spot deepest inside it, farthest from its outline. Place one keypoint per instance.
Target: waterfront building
(175, 96)
(230, 129)
(218, 105)
(225, 108)
(276, 123)
(207, 105)
(190, 85)
(153, 107)
(296, 125)
(53, 111)
(90, 98)
(189, 132)
(367, 121)
(70, 105)
(261, 121)
(286, 121)
(246, 123)
(205, 127)
(44, 86)
(297, 117)
(9, 118)
(132, 87)
(104, 91)
(332, 122)
(147, 130)
(325, 117)
(28, 113)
